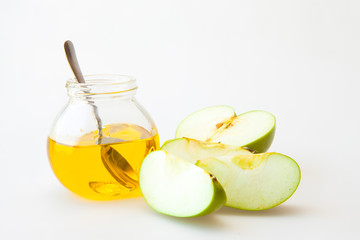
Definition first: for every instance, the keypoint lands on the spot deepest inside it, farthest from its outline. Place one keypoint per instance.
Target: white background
(297, 59)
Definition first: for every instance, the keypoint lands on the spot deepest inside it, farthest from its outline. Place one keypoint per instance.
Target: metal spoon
(75, 67)
(114, 162)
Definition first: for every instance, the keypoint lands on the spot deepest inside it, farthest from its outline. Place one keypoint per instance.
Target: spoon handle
(75, 67)
(73, 62)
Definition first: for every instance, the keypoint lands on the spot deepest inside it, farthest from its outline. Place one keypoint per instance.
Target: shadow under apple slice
(279, 211)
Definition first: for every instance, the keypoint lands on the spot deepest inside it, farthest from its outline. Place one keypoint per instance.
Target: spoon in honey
(113, 161)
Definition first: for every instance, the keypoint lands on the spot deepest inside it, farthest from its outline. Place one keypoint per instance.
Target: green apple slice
(193, 150)
(255, 182)
(251, 181)
(254, 129)
(175, 187)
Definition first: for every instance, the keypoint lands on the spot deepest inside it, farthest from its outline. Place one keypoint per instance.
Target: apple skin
(218, 200)
(262, 144)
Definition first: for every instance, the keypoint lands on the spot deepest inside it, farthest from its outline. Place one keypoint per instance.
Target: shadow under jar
(99, 140)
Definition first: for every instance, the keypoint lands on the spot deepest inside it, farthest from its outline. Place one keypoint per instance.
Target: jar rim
(102, 79)
(102, 84)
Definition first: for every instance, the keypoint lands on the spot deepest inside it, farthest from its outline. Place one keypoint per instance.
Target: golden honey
(109, 170)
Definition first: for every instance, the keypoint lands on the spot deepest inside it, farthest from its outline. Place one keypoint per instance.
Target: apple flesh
(256, 182)
(175, 187)
(192, 150)
(251, 181)
(219, 124)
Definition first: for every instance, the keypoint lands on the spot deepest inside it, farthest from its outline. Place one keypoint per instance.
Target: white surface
(296, 59)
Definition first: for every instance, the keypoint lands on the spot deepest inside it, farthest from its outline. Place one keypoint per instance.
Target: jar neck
(102, 87)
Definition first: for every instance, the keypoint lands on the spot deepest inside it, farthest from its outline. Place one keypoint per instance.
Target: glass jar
(100, 138)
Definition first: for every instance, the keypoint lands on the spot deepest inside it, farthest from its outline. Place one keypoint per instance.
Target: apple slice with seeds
(219, 124)
(192, 150)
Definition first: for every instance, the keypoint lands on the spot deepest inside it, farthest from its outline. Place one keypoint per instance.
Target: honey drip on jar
(106, 171)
